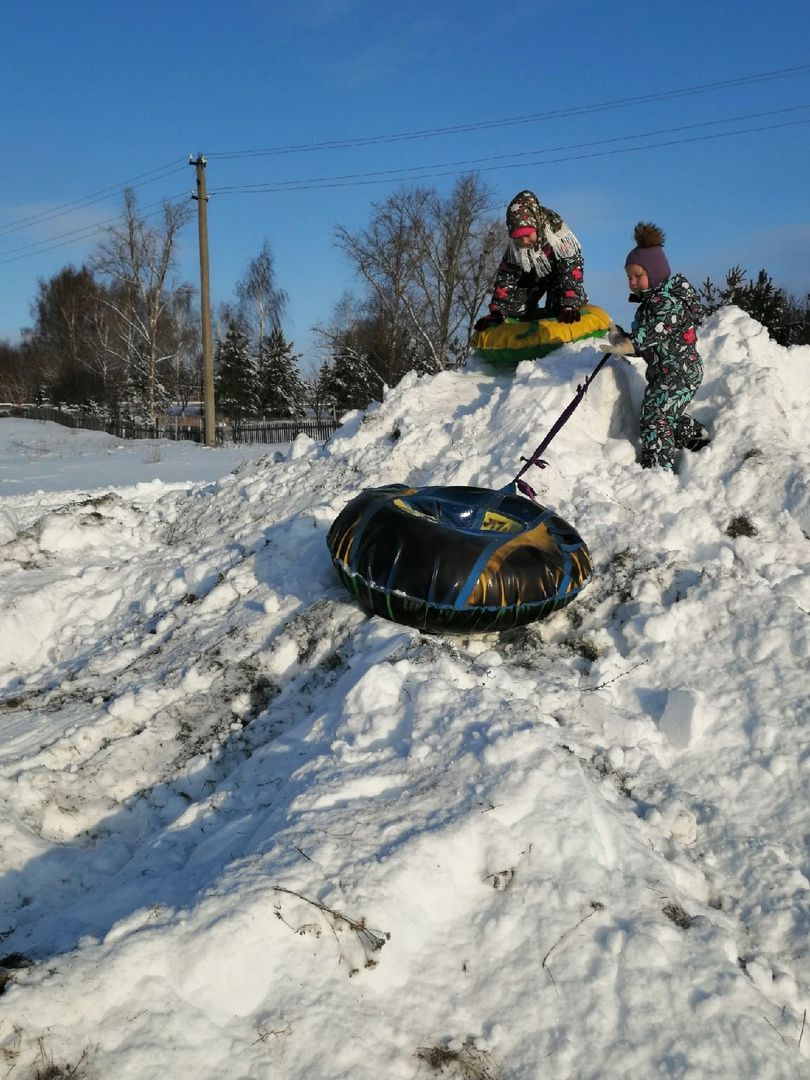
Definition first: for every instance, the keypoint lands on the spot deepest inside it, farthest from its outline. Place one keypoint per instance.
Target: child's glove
(493, 319)
(569, 315)
(618, 341)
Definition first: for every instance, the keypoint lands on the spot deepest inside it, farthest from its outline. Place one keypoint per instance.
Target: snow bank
(248, 830)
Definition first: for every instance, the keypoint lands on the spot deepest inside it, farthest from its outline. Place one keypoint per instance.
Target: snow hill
(247, 831)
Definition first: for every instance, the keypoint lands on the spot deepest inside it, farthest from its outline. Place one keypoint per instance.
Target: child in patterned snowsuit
(543, 259)
(664, 334)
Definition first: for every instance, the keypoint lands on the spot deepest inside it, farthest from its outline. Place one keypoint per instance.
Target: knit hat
(649, 253)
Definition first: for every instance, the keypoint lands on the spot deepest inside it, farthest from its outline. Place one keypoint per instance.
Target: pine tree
(282, 393)
(237, 378)
(798, 318)
(347, 382)
(761, 299)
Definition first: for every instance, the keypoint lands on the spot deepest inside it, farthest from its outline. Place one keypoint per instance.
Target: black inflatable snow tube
(457, 559)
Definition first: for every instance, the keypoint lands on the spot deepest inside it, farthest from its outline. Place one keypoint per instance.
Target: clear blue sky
(96, 94)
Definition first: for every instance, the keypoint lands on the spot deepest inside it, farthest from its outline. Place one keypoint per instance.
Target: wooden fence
(282, 431)
(179, 428)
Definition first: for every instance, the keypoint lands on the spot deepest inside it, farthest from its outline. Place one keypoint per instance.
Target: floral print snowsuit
(664, 334)
(517, 292)
(552, 268)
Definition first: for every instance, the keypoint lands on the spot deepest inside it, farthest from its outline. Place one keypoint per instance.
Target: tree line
(785, 317)
(120, 334)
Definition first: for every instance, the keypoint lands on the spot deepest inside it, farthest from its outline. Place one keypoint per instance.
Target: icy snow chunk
(302, 447)
(615, 756)
(760, 975)
(684, 719)
(283, 657)
(679, 822)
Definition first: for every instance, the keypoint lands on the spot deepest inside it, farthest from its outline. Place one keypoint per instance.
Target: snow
(248, 830)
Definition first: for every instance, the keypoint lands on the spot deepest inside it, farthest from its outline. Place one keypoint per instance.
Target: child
(664, 334)
(543, 258)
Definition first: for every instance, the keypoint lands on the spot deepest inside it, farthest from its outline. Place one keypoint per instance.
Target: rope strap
(536, 458)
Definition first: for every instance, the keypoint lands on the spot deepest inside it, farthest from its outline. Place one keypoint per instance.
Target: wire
(439, 170)
(326, 181)
(85, 233)
(419, 172)
(581, 110)
(88, 200)
(379, 178)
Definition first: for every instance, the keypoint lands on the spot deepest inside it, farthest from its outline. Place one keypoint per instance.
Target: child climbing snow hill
(664, 334)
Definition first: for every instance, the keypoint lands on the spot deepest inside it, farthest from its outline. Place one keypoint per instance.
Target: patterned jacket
(552, 268)
(664, 330)
(517, 291)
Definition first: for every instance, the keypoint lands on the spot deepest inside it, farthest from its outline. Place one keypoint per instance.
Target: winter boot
(691, 434)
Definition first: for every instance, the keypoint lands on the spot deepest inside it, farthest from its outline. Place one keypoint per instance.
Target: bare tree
(381, 258)
(358, 329)
(138, 260)
(19, 377)
(70, 335)
(261, 302)
(187, 365)
(428, 262)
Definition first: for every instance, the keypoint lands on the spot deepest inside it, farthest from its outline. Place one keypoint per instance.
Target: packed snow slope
(248, 831)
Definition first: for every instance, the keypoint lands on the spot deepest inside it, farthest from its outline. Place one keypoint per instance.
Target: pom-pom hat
(649, 253)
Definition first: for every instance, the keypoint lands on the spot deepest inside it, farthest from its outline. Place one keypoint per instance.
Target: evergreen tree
(761, 299)
(798, 318)
(347, 381)
(237, 377)
(282, 393)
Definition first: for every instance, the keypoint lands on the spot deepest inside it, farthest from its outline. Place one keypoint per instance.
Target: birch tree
(427, 263)
(137, 260)
(261, 301)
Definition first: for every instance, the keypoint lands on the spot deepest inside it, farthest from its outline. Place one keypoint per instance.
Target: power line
(580, 110)
(42, 247)
(282, 185)
(420, 172)
(169, 169)
(448, 169)
(164, 171)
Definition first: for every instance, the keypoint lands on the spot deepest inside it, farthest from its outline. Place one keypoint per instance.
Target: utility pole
(205, 303)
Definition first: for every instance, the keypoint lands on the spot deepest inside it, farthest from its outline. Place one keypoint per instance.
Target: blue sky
(98, 94)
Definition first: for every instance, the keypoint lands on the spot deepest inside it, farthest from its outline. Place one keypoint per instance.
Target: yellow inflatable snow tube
(515, 340)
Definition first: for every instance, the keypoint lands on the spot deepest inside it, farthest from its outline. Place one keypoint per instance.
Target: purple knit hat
(649, 253)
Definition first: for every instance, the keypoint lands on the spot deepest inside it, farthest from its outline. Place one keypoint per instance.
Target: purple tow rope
(536, 458)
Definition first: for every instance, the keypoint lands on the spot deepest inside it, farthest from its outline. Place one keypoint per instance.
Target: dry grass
(469, 1063)
(740, 525)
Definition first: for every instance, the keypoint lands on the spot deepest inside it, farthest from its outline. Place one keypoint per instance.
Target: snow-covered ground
(39, 459)
(248, 831)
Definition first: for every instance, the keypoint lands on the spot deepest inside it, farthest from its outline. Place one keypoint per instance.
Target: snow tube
(456, 559)
(515, 340)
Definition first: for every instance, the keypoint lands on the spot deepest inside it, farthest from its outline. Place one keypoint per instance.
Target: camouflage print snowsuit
(553, 268)
(664, 334)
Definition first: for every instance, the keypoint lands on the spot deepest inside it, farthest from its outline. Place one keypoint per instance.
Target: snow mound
(246, 829)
